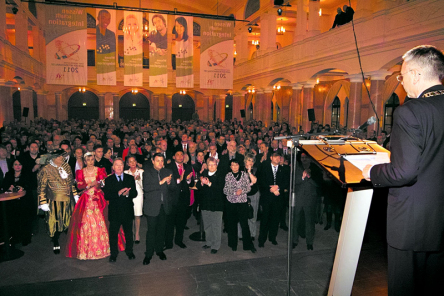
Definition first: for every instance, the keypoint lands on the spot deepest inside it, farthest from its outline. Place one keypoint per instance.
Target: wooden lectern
(343, 159)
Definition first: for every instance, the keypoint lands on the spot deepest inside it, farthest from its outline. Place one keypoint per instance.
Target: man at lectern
(415, 214)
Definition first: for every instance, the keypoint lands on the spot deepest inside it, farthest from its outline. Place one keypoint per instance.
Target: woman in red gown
(88, 234)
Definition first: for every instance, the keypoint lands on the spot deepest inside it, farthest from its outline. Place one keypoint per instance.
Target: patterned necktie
(180, 169)
(274, 174)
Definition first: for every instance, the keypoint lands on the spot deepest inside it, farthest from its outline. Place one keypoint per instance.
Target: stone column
(268, 32)
(168, 106)
(42, 105)
(301, 20)
(26, 101)
(241, 40)
(101, 106)
(116, 109)
(6, 110)
(355, 101)
(237, 106)
(221, 107)
(21, 31)
(295, 107)
(266, 106)
(3, 20)
(205, 110)
(307, 103)
(58, 105)
(314, 26)
(376, 93)
(155, 110)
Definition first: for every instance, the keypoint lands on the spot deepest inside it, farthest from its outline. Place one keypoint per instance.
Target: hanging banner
(216, 54)
(183, 31)
(66, 54)
(158, 39)
(133, 48)
(106, 47)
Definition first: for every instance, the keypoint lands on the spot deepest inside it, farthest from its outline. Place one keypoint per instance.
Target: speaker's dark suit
(224, 164)
(415, 214)
(181, 206)
(120, 210)
(270, 203)
(157, 203)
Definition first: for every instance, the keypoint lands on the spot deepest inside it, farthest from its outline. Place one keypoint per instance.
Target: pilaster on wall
(58, 104)
(377, 95)
(363, 9)
(42, 105)
(2, 20)
(220, 107)
(314, 26)
(6, 110)
(205, 113)
(237, 106)
(116, 109)
(268, 32)
(168, 107)
(355, 101)
(295, 118)
(241, 40)
(154, 109)
(21, 30)
(307, 103)
(266, 107)
(101, 106)
(301, 20)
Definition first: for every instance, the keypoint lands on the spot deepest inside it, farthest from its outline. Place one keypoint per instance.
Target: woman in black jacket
(20, 211)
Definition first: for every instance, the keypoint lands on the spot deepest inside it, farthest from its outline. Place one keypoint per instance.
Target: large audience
(226, 174)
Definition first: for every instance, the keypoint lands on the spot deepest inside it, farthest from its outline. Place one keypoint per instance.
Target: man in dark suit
(224, 164)
(182, 175)
(5, 163)
(415, 219)
(271, 183)
(120, 189)
(70, 159)
(158, 187)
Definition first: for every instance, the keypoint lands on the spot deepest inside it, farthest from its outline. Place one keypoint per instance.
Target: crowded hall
(163, 147)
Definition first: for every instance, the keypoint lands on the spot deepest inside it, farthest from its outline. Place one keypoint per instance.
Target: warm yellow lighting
(281, 30)
(255, 42)
(235, 52)
(84, 104)
(320, 11)
(183, 92)
(18, 88)
(227, 106)
(180, 106)
(134, 104)
(317, 81)
(278, 87)
(83, 89)
(135, 91)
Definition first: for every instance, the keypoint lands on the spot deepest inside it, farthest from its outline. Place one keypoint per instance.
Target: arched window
(251, 7)
(335, 113)
(389, 108)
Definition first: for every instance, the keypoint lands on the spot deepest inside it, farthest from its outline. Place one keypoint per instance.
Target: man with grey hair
(415, 220)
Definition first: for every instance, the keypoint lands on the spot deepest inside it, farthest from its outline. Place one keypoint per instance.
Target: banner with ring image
(66, 54)
(216, 54)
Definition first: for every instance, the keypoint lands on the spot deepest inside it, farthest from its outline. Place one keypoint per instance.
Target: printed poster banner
(66, 54)
(183, 31)
(133, 48)
(106, 47)
(158, 39)
(216, 57)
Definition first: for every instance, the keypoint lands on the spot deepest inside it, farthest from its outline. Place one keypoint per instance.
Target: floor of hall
(194, 271)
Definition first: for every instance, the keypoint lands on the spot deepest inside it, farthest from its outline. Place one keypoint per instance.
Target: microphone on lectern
(370, 121)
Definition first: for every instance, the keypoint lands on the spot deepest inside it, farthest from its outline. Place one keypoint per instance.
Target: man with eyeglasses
(415, 220)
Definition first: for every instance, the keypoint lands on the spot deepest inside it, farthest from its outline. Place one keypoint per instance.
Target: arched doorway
(182, 107)
(17, 106)
(134, 106)
(228, 107)
(83, 105)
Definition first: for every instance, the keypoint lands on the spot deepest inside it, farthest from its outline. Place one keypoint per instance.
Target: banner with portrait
(158, 39)
(106, 47)
(183, 31)
(66, 54)
(216, 54)
(133, 48)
